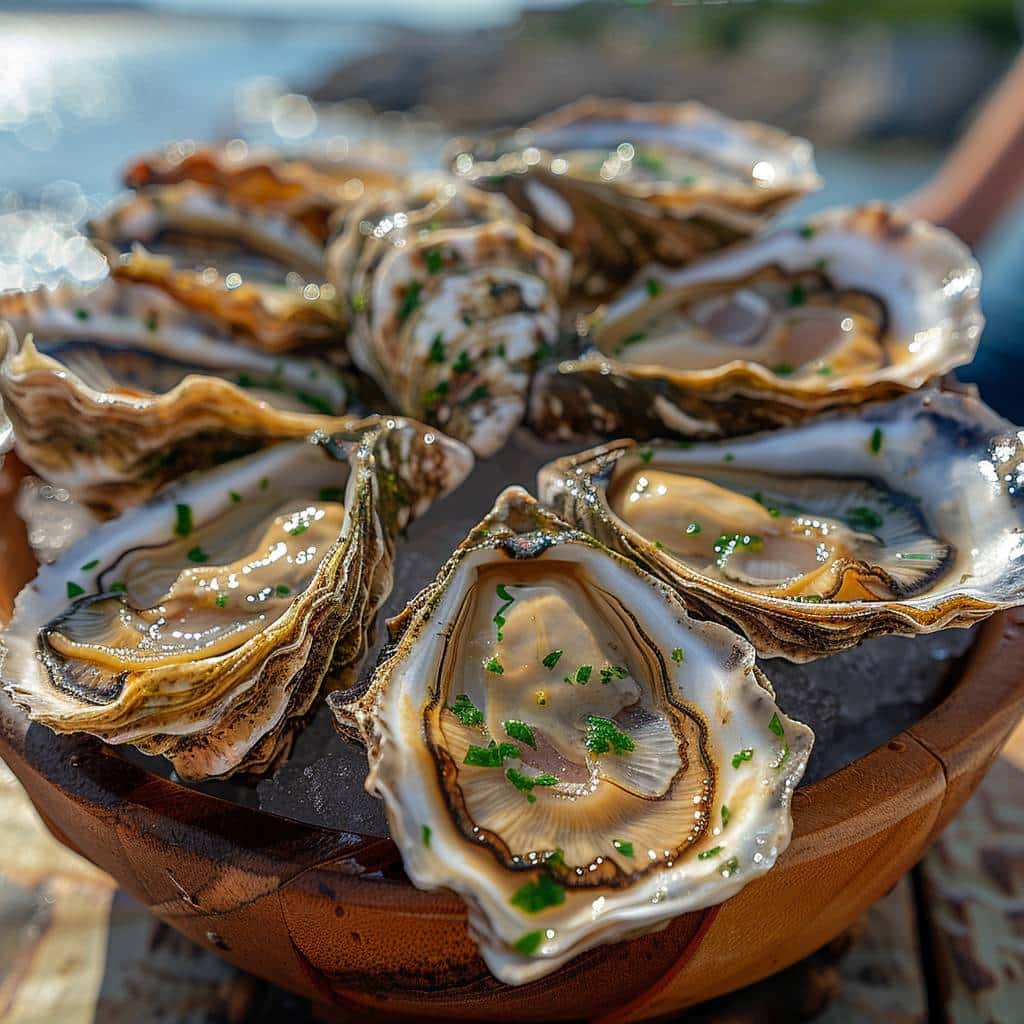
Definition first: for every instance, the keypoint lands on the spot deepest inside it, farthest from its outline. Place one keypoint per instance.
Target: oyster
(856, 304)
(115, 390)
(202, 624)
(621, 185)
(452, 298)
(900, 517)
(555, 740)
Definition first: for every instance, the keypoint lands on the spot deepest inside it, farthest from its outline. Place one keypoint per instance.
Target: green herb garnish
(520, 731)
(221, 600)
(875, 444)
(434, 260)
(610, 672)
(729, 542)
(581, 675)
(604, 736)
(551, 659)
(646, 454)
(74, 590)
(693, 528)
(437, 348)
(281, 590)
(462, 362)
(529, 943)
(478, 394)
(466, 711)
(808, 231)
(495, 666)
(197, 554)
(410, 301)
(264, 483)
(536, 896)
(626, 849)
(90, 565)
(525, 783)
(744, 755)
(653, 286)
(708, 854)
(425, 833)
(491, 756)
(916, 555)
(183, 520)
(235, 497)
(731, 866)
(152, 322)
(82, 314)
(783, 370)
(728, 457)
(119, 587)
(299, 529)
(678, 654)
(776, 726)
(726, 815)
(824, 371)
(797, 295)
(360, 301)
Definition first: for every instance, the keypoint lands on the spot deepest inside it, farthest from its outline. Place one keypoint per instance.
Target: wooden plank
(974, 900)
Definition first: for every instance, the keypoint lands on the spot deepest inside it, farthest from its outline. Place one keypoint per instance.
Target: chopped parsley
(436, 393)
(916, 555)
(875, 444)
(360, 301)
(281, 590)
(221, 600)
(649, 161)
(581, 675)
(235, 497)
(491, 756)
(520, 731)
(771, 510)
(610, 672)
(653, 286)
(197, 554)
(529, 943)
(183, 520)
(74, 590)
(152, 322)
(264, 483)
(728, 457)
(499, 618)
(536, 896)
(425, 832)
(410, 301)
(119, 587)
(747, 754)
(626, 849)
(495, 666)
(299, 529)
(824, 370)
(729, 542)
(864, 519)
(478, 394)
(604, 736)
(678, 654)
(437, 348)
(726, 815)
(784, 370)
(82, 314)
(466, 711)
(525, 783)
(808, 231)
(797, 294)
(462, 364)
(551, 659)
(90, 565)
(708, 854)
(434, 260)
(776, 726)
(646, 454)
(693, 528)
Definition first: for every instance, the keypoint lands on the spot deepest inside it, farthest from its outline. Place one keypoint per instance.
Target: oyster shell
(115, 390)
(201, 625)
(621, 185)
(856, 304)
(451, 299)
(555, 740)
(901, 517)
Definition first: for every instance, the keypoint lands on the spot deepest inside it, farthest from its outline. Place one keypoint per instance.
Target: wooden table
(948, 936)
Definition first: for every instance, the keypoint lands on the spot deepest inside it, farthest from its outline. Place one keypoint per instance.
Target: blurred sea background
(883, 90)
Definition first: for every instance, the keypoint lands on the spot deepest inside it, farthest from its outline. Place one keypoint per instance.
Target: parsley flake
(678, 654)
(410, 301)
(90, 565)
(437, 348)
(198, 555)
(495, 666)
(536, 896)
(708, 854)
(604, 736)
(529, 943)
(520, 731)
(466, 711)
(491, 756)
(74, 590)
(183, 520)
(425, 832)
(875, 444)
(551, 659)
(626, 849)
(747, 754)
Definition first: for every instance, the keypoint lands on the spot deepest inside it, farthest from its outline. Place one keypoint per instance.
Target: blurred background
(883, 90)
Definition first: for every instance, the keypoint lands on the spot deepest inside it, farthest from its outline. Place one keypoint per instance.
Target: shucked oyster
(557, 741)
(901, 517)
(621, 185)
(115, 390)
(201, 625)
(451, 299)
(856, 304)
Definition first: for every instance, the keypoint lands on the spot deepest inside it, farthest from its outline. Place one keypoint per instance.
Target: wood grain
(329, 915)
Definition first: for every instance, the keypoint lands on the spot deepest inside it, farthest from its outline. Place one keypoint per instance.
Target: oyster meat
(621, 185)
(555, 740)
(451, 298)
(203, 624)
(856, 304)
(900, 517)
(117, 389)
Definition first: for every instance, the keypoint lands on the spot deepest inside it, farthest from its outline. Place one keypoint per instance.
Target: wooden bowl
(328, 914)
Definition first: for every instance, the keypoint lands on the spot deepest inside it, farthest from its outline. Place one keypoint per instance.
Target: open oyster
(900, 517)
(115, 390)
(621, 185)
(557, 741)
(201, 625)
(451, 298)
(856, 304)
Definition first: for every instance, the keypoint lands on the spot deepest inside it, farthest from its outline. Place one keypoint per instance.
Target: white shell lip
(961, 461)
(787, 162)
(926, 276)
(722, 688)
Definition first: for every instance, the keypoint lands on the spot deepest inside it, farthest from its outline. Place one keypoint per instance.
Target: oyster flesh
(451, 299)
(202, 624)
(555, 740)
(898, 517)
(621, 185)
(115, 390)
(856, 304)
